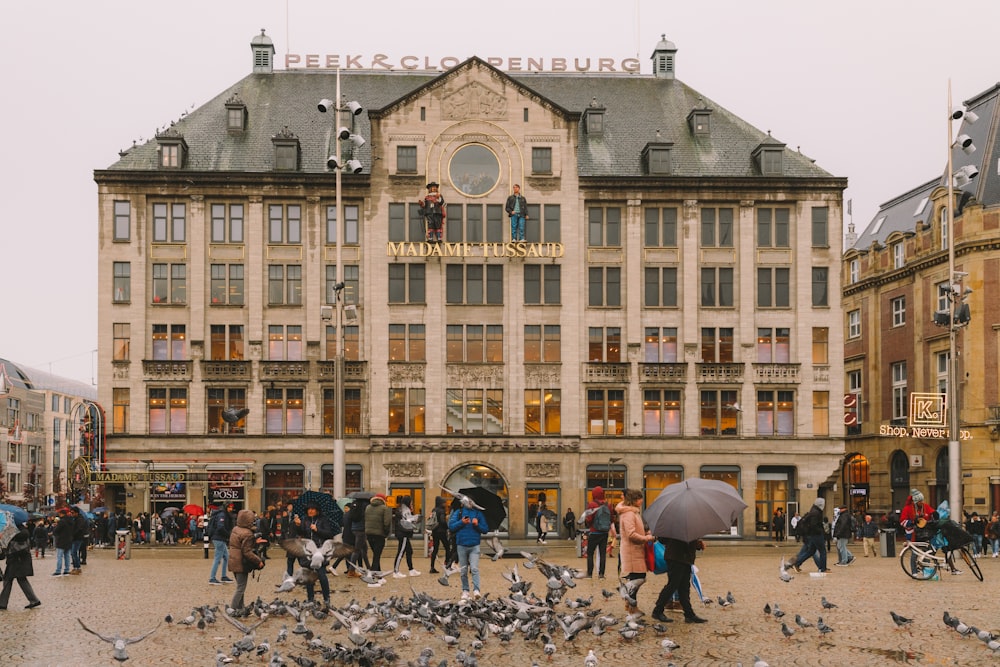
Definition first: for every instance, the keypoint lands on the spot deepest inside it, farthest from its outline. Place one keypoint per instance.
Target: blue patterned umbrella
(7, 528)
(19, 513)
(328, 507)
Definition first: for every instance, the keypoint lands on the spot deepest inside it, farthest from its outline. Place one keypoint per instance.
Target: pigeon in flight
(232, 415)
(117, 641)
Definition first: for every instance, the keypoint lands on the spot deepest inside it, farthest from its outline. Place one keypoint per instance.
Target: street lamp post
(956, 297)
(336, 163)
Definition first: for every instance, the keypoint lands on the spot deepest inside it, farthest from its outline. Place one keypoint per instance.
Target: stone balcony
(284, 371)
(676, 373)
(164, 370)
(721, 373)
(354, 371)
(221, 371)
(614, 372)
(777, 373)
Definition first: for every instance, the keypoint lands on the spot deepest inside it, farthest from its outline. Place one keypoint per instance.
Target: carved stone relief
(474, 101)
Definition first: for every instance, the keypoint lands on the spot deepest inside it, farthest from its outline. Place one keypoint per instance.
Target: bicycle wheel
(972, 563)
(916, 564)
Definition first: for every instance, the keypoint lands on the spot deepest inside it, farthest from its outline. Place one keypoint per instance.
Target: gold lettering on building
(484, 250)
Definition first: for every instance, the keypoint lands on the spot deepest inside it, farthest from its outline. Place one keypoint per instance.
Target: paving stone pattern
(131, 597)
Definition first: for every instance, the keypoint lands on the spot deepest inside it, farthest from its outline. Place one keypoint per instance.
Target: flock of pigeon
(452, 632)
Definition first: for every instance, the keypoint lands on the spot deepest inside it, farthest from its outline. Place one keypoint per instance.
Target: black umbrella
(362, 495)
(491, 503)
(328, 507)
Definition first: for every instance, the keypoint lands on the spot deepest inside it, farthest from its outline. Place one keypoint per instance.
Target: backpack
(432, 520)
(602, 520)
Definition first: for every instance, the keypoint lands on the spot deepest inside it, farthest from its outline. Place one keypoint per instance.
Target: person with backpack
(437, 524)
(598, 520)
(843, 529)
(810, 529)
(220, 527)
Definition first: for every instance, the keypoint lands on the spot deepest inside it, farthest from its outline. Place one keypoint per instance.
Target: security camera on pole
(336, 163)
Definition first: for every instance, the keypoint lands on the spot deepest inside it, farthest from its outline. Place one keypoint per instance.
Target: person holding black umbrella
(680, 557)
(316, 527)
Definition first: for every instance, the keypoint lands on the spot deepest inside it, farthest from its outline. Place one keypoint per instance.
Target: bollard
(205, 540)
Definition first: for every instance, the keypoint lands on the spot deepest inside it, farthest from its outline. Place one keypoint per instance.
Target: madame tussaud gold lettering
(485, 250)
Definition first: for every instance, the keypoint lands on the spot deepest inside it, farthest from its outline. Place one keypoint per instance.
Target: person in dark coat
(680, 557)
(62, 535)
(40, 537)
(378, 524)
(79, 534)
(356, 520)
(316, 527)
(440, 532)
(19, 567)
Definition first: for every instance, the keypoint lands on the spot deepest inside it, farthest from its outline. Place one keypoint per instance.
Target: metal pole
(339, 469)
(954, 447)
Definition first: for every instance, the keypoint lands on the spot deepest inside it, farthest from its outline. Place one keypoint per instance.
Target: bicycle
(921, 562)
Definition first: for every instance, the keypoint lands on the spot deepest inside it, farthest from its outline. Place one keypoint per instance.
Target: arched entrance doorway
(475, 474)
(856, 482)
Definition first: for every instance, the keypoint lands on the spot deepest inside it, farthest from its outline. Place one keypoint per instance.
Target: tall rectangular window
(773, 290)
(821, 345)
(900, 396)
(407, 342)
(122, 340)
(169, 223)
(661, 412)
(660, 345)
(773, 345)
(284, 284)
(541, 160)
(284, 343)
(775, 413)
(406, 283)
(605, 286)
(352, 224)
(542, 344)
(898, 255)
(821, 413)
(660, 287)
(226, 342)
(542, 411)
(406, 159)
(122, 282)
(542, 284)
(606, 411)
(899, 311)
(474, 411)
(772, 228)
(718, 413)
(283, 410)
(120, 398)
(219, 399)
(854, 324)
(941, 368)
(660, 229)
(605, 345)
(464, 284)
(717, 345)
(122, 221)
(169, 283)
(717, 228)
(407, 410)
(227, 223)
(169, 342)
(167, 410)
(820, 226)
(717, 287)
(604, 226)
(820, 288)
(852, 407)
(854, 271)
(284, 223)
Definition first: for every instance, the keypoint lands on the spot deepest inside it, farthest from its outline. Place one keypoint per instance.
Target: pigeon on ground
(900, 621)
(823, 627)
(787, 631)
(783, 571)
(801, 622)
(827, 604)
(767, 608)
(757, 662)
(117, 641)
(776, 612)
(590, 660)
(723, 602)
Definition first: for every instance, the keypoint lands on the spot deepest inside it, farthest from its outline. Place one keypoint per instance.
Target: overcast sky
(858, 85)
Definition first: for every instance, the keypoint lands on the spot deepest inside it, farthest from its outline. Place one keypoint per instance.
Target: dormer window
(286, 150)
(656, 158)
(236, 115)
(769, 158)
(699, 120)
(593, 119)
(171, 148)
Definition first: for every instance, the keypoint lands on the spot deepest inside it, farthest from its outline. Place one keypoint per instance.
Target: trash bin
(123, 544)
(887, 543)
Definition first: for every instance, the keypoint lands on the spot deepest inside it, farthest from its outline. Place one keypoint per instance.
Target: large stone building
(673, 312)
(895, 276)
(47, 423)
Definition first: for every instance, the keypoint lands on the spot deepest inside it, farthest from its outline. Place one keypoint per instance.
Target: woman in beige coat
(634, 538)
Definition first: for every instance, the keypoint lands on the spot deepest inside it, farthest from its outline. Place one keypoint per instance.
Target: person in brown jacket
(634, 538)
(242, 559)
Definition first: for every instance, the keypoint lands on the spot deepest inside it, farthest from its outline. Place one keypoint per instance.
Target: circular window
(474, 170)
